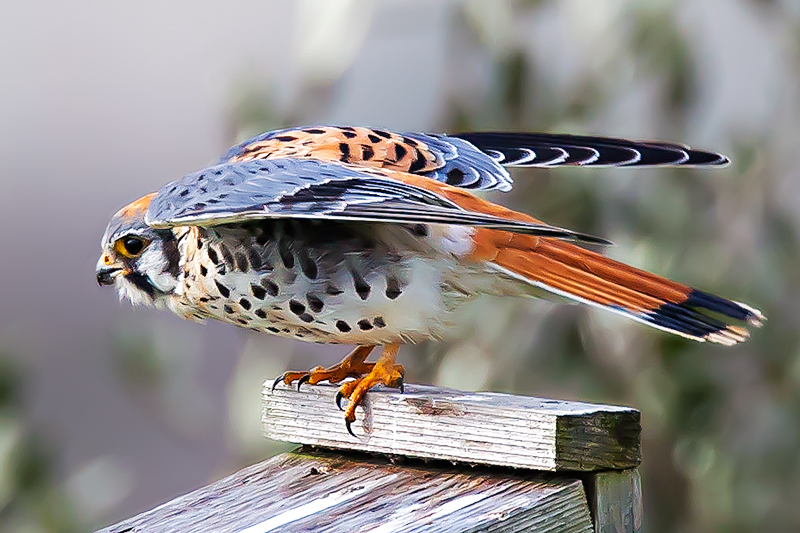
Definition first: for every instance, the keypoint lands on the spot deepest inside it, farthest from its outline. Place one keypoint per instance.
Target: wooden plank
(325, 492)
(616, 500)
(481, 428)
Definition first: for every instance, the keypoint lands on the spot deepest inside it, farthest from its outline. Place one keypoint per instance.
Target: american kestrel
(351, 235)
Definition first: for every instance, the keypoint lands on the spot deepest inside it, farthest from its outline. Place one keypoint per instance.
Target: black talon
(339, 397)
(401, 386)
(303, 379)
(349, 429)
(275, 383)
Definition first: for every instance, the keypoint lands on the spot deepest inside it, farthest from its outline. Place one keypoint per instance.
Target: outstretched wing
(310, 188)
(465, 160)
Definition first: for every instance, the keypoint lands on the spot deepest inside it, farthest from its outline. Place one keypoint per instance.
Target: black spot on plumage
(343, 326)
(344, 149)
(411, 142)
(373, 138)
(245, 303)
(184, 192)
(258, 291)
(305, 317)
(314, 131)
(204, 299)
(260, 313)
(242, 321)
(315, 302)
(418, 163)
(286, 254)
(286, 138)
(169, 247)
(383, 133)
(399, 152)
(360, 284)
(228, 309)
(393, 289)
(419, 230)
(255, 259)
(271, 286)
(223, 290)
(367, 152)
(273, 329)
(227, 256)
(203, 270)
(307, 265)
(262, 238)
(379, 322)
(333, 290)
(455, 176)
(349, 134)
(241, 262)
(199, 244)
(296, 307)
(364, 325)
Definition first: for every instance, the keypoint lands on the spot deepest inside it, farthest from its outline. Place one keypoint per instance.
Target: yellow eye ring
(130, 246)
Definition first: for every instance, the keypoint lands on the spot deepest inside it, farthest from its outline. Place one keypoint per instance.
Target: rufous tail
(581, 275)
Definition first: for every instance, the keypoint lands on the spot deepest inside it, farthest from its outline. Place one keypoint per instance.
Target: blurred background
(106, 410)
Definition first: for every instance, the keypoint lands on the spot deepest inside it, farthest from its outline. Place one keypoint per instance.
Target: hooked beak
(106, 275)
(107, 270)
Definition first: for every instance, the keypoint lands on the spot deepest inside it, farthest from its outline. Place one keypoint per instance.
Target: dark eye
(130, 246)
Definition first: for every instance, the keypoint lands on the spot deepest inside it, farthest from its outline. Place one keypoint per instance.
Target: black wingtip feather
(691, 318)
(728, 308)
(585, 150)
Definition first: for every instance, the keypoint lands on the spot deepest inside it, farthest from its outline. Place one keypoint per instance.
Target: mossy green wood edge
(469, 427)
(599, 441)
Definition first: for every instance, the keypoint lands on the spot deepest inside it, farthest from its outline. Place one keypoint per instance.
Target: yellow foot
(352, 366)
(384, 372)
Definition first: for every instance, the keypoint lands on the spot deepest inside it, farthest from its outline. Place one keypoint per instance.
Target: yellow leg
(384, 372)
(352, 366)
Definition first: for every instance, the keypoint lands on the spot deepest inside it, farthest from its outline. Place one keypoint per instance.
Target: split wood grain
(297, 492)
(469, 427)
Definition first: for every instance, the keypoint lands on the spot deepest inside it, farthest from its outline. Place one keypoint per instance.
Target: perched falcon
(350, 235)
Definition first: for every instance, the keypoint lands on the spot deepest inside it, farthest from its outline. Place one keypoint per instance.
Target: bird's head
(141, 261)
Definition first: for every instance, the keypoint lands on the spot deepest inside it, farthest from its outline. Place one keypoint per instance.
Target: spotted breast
(328, 281)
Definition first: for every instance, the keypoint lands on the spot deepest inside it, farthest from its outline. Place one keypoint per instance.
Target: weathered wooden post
(441, 460)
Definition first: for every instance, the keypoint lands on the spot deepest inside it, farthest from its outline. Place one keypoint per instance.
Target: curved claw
(347, 424)
(303, 379)
(339, 397)
(278, 380)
